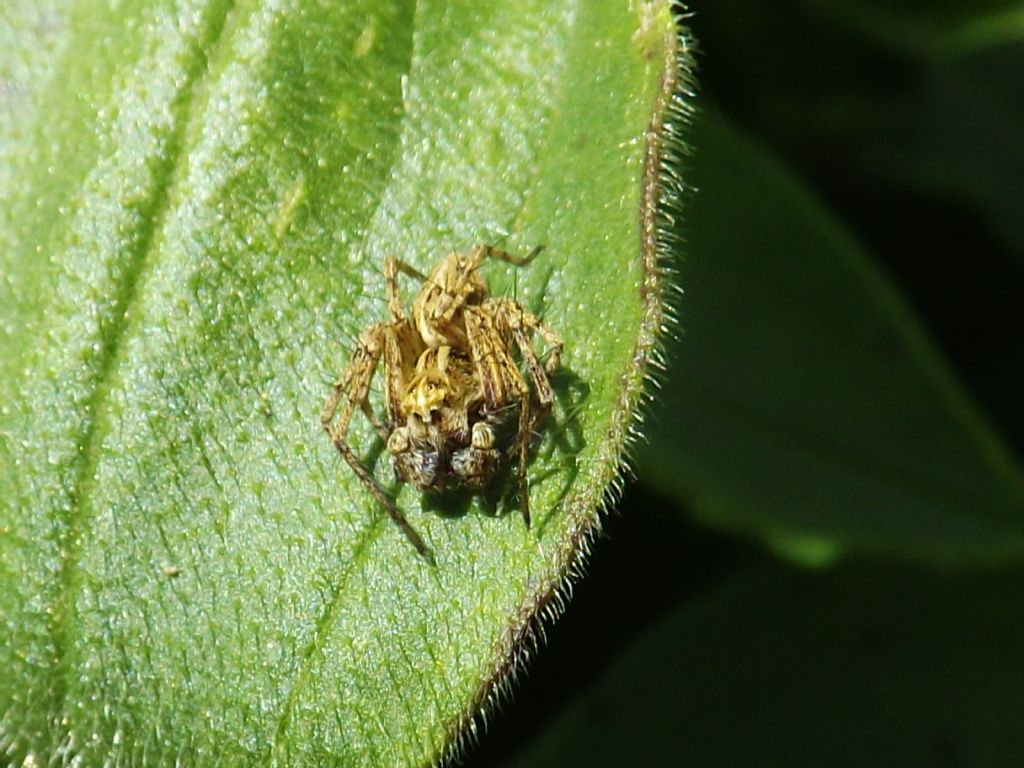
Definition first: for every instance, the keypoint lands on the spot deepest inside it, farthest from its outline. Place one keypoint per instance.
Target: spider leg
(528, 423)
(517, 316)
(392, 267)
(521, 322)
(502, 382)
(555, 345)
(482, 252)
(349, 392)
(523, 445)
(378, 425)
(408, 269)
(499, 376)
(353, 385)
(402, 347)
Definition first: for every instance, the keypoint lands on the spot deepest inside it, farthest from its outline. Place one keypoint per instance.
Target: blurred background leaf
(804, 403)
(780, 668)
(904, 118)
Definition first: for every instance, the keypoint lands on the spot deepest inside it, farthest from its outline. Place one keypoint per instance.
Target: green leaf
(806, 406)
(202, 195)
(850, 668)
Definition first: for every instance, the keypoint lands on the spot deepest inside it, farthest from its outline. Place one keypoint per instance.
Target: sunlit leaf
(200, 199)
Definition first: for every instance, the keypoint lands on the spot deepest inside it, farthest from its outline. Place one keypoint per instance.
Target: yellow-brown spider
(450, 378)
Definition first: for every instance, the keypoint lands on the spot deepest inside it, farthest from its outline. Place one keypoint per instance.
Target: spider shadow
(567, 441)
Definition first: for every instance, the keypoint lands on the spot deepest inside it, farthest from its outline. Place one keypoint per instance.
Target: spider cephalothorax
(450, 378)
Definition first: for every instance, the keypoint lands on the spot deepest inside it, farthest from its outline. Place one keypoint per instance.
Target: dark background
(701, 644)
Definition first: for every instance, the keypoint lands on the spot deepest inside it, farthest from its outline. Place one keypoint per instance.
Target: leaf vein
(112, 338)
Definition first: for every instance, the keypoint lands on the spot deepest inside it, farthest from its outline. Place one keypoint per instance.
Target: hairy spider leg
(497, 369)
(502, 381)
(392, 267)
(402, 348)
(517, 316)
(349, 391)
(378, 425)
(521, 322)
(482, 252)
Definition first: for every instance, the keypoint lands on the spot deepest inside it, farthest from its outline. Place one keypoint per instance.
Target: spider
(450, 379)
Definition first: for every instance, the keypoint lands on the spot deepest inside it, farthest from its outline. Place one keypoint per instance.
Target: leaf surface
(202, 197)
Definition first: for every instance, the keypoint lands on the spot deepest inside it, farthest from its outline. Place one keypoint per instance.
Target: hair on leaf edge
(662, 198)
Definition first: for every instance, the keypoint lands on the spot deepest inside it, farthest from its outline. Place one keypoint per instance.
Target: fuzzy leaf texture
(197, 200)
